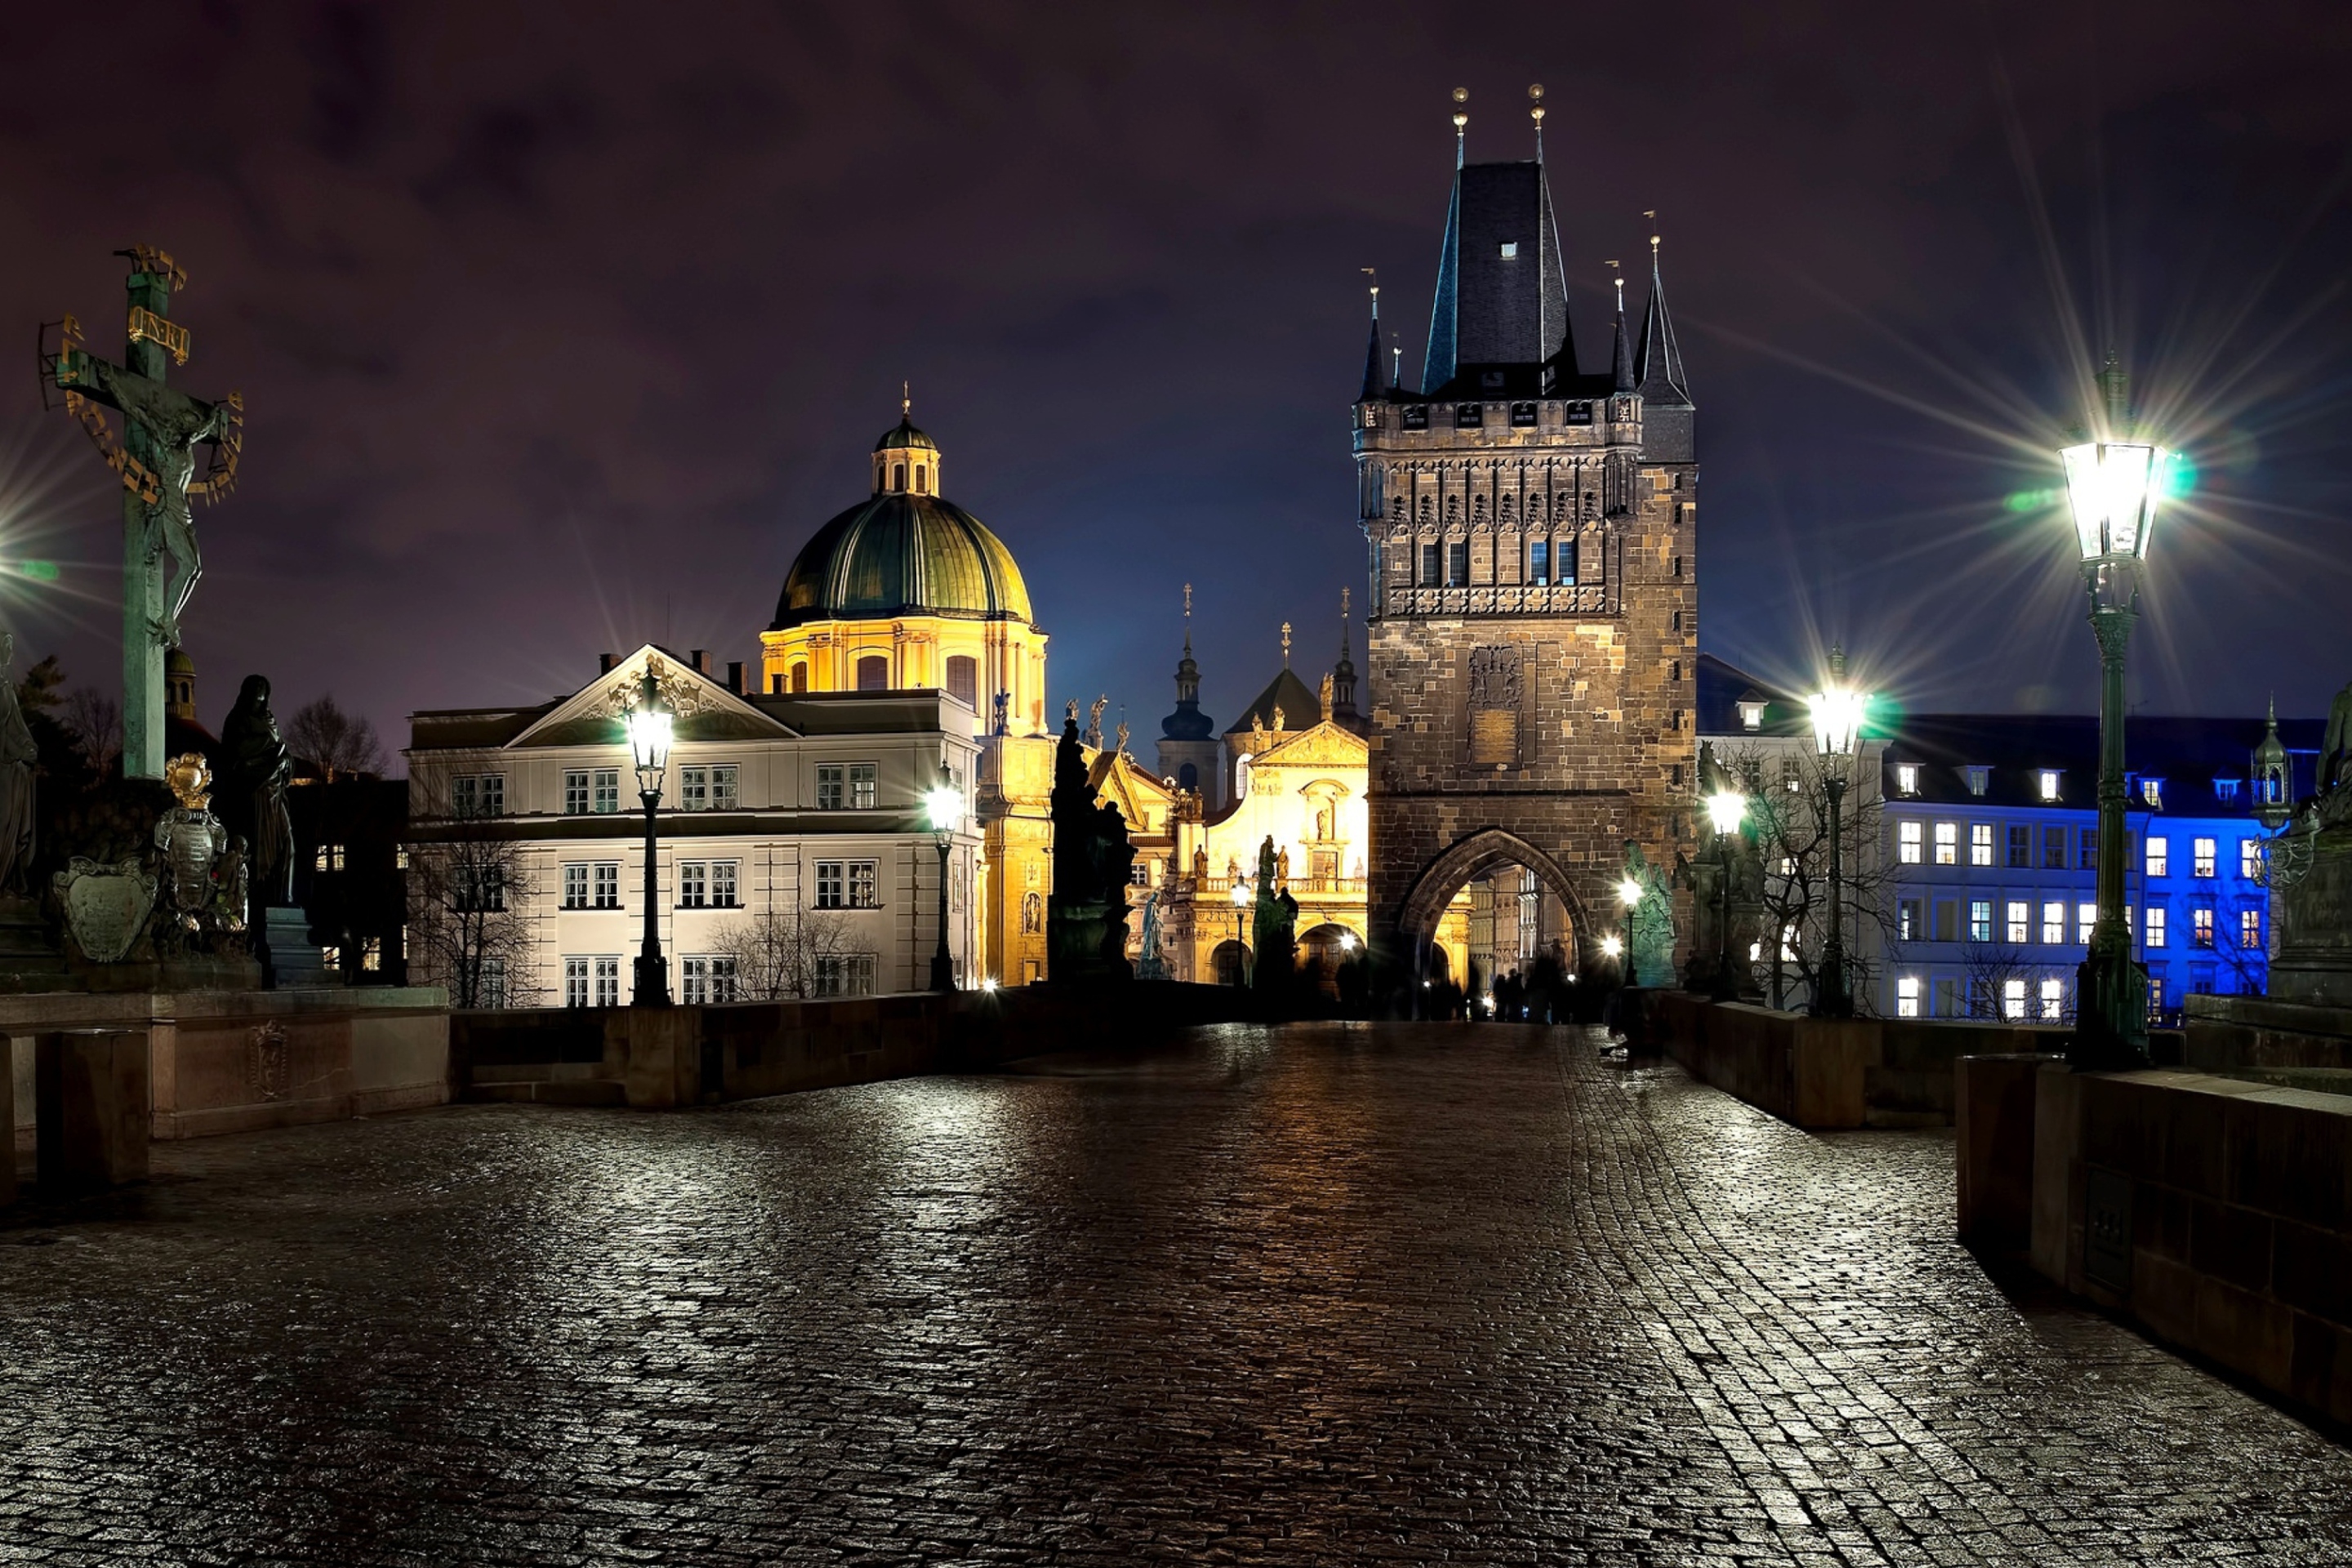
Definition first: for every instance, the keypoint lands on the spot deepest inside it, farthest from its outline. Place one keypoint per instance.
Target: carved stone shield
(106, 906)
(265, 1062)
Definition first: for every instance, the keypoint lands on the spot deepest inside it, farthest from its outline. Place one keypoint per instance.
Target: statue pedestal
(28, 962)
(1085, 941)
(293, 961)
(2313, 920)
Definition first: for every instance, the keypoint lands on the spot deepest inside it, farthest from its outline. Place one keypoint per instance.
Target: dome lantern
(906, 461)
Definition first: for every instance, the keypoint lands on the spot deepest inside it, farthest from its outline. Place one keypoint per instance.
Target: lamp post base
(2110, 1015)
(652, 982)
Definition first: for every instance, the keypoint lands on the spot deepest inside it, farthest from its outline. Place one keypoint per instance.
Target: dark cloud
(559, 329)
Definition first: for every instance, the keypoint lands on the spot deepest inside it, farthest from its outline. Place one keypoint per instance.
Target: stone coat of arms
(106, 906)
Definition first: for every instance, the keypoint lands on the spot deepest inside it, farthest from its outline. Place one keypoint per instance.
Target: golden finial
(1343, 602)
(1461, 122)
(1617, 276)
(1652, 213)
(1535, 106)
(1188, 601)
(906, 400)
(1286, 645)
(1374, 274)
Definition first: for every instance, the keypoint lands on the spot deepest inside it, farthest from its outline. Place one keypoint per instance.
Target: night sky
(559, 329)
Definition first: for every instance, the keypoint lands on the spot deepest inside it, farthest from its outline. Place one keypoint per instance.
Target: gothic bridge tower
(1534, 585)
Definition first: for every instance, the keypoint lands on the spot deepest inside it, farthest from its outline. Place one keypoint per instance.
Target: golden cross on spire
(906, 400)
(1343, 603)
(1286, 645)
(1188, 601)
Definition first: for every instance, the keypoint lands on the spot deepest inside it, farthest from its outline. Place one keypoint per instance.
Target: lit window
(329, 858)
(1979, 920)
(2019, 921)
(331, 958)
(1981, 844)
(1907, 842)
(2159, 857)
(2053, 999)
(2155, 925)
(2201, 928)
(2250, 859)
(2250, 930)
(1948, 844)
(1906, 778)
(372, 954)
(1906, 996)
(1908, 922)
(2202, 850)
(2012, 999)
(400, 858)
(2053, 922)
(2085, 917)
(2049, 783)
(2154, 996)
(2152, 792)
(1510, 250)
(1979, 780)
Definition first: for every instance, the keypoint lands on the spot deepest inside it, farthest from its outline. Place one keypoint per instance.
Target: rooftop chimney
(735, 676)
(701, 658)
(605, 662)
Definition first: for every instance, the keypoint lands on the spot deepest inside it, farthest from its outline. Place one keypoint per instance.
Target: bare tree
(1988, 969)
(777, 953)
(95, 721)
(339, 743)
(468, 885)
(1787, 799)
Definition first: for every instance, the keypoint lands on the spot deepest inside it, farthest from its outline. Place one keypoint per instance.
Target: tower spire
(1461, 125)
(1620, 355)
(1535, 114)
(1342, 706)
(1372, 348)
(1658, 371)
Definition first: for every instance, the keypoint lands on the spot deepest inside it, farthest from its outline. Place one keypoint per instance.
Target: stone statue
(1121, 746)
(1282, 867)
(203, 868)
(1094, 722)
(2336, 748)
(1273, 931)
(1200, 866)
(1149, 963)
(1086, 917)
(254, 773)
(17, 755)
(1650, 923)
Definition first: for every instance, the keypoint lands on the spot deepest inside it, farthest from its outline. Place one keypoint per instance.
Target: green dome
(899, 555)
(904, 437)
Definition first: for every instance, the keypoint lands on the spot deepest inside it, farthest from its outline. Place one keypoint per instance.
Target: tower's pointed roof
(1621, 352)
(1658, 371)
(1502, 294)
(1372, 378)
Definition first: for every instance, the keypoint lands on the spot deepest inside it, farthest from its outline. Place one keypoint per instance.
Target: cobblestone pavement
(1329, 1294)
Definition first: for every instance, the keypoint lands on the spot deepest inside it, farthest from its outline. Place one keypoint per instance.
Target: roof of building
(907, 437)
(896, 553)
(1502, 293)
(1301, 709)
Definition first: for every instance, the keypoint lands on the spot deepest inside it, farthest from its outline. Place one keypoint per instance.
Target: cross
(156, 458)
(1286, 645)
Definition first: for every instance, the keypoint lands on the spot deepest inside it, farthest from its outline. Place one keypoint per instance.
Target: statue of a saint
(255, 768)
(1282, 867)
(17, 755)
(2336, 748)
(1200, 866)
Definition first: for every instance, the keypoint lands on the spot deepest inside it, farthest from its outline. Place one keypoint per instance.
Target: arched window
(963, 675)
(922, 481)
(1189, 776)
(897, 476)
(800, 680)
(874, 673)
(878, 473)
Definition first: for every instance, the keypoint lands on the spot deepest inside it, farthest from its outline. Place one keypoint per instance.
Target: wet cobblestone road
(1330, 1294)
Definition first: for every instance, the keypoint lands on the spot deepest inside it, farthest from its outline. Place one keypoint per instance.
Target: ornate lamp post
(2111, 488)
(1629, 893)
(943, 802)
(1243, 898)
(1837, 726)
(1726, 808)
(649, 725)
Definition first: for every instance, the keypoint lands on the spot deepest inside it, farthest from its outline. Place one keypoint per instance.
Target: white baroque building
(794, 805)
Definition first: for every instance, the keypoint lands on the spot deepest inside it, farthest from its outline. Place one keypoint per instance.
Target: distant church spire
(1620, 355)
(1372, 349)
(1343, 674)
(1188, 722)
(1658, 371)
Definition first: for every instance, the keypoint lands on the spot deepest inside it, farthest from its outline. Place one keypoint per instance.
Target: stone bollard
(91, 1108)
(8, 1120)
(1993, 1119)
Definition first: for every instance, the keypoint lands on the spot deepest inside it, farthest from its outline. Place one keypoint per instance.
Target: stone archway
(1470, 857)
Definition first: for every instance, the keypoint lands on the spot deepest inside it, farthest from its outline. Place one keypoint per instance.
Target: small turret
(1343, 676)
(2274, 777)
(1188, 750)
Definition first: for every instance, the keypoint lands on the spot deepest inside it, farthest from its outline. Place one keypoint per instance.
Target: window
(2250, 859)
(608, 884)
(1538, 561)
(2226, 791)
(874, 673)
(575, 982)
(2048, 784)
(1458, 563)
(1906, 843)
(847, 884)
(1431, 571)
(897, 476)
(2159, 854)
(330, 958)
(608, 982)
(2012, 999)
(707, 884)
(2250, 930)
(2053, 850)
(400, 858)
(2021, 846)
(1909, 922)
(478, 795)
(2155, 996)
(2053, 999)
(2151, 791)
(800, 681)
(1751, 719)
(1948, 844)
(2020, 921)
(845, 786)
(479, 888)
(1979, 920)
(2154, 925)
(575, 885)
(2202, 857)
(2088, 859)
(710, 788)
(1979, 780)
(1906, 778)
(707, 978)
(575, 792)
(1469, 415)
(964, 679)
(329, 858)
(2201, 928)
(605, 796)
(1139, 873)
(1948, 999)
(370, 954)
(2053, 922)
(1981, 844)
(493, 990)
(1510, 248)
(2085, 917)
(1906, 996)
(845, 974)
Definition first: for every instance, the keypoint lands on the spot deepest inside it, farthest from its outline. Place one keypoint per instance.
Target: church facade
(1532, 533)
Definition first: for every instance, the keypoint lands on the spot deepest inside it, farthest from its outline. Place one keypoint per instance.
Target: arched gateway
(1537, 911)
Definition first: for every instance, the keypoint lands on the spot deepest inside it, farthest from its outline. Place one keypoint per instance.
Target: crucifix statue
(155, 457)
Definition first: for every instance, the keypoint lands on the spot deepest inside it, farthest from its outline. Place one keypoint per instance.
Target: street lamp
(944, 804)
(1241, 953)
(650, 725)
(1726, 808)
(1837, 727)
(2110, 489)
(1629, 893)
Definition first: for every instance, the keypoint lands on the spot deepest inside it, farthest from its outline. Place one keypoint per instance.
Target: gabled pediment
(1141, 799)
(705, 710)
(1324, 746)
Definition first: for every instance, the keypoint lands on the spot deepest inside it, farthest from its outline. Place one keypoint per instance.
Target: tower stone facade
(1534, 586)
